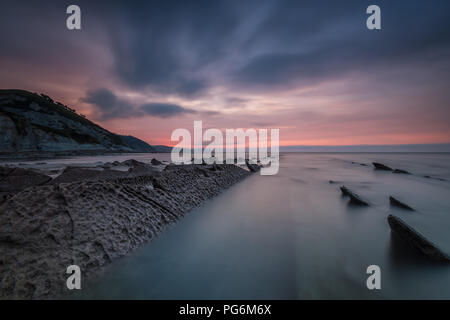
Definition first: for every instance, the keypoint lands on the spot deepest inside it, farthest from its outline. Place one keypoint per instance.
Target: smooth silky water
(294, 236)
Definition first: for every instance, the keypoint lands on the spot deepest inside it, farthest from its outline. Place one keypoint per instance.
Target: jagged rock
(397, 203)
(90, 223)
(417, 240)
(401, 171)
(72, 174)
(16, 179)
(132, 163)
(380, 166)
(156, 162)
(354, 198)
(440, 179)
(252, 167)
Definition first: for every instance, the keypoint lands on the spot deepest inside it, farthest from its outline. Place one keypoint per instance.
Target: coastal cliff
(35, 123)
(95, 219)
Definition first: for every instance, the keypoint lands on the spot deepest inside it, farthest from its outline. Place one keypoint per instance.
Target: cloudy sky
(310, 68)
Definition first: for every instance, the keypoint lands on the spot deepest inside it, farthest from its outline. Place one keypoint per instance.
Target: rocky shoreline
(94, 219)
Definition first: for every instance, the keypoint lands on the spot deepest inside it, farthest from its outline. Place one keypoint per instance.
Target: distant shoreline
(41, 155)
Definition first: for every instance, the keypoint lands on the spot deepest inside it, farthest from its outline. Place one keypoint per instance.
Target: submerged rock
(400, 171)
(380, 166)
(397, 203)
(354, 198)
(416, 239)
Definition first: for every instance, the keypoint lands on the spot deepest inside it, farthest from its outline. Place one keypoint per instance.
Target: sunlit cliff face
(310, 68)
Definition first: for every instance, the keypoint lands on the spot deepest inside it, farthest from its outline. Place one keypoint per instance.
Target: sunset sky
(310, 68)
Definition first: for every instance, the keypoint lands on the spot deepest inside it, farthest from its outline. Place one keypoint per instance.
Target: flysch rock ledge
(90, 223)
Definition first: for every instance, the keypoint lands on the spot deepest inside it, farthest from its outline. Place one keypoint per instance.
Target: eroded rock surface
(89, 223)
(13, 180)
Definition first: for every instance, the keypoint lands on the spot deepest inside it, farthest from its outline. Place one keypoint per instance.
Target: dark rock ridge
(415, 239)
(32, 123)
(253, 167)
(400, 171)
(354, 198)
(380, 166)
(398, 203)
(156, 162)
(92, 222)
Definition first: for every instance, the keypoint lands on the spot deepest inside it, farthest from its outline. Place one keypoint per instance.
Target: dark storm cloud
(321, 42)
(166, 46)
(179, 46)
(164, 110)
(186, 47)
(108, 105)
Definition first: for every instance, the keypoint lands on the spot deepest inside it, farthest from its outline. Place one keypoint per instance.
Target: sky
(309, 68)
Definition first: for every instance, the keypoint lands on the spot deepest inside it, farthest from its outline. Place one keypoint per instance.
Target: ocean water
(294, 236)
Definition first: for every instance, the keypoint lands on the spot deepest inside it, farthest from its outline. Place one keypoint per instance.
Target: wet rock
(399, 204)
(44, 229)
(354, 198)
(332, 182)
(252, 167)
(156, 162)
(73, 174)
(416, 239)
(400, 171)
(132, 163)
(380, 166)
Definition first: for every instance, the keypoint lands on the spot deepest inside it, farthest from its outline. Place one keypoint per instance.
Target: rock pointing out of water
(156, 162)
(252, 167)
(354, 198)
(397, 203)
(380, 166)
(400, 171)
(417, 240)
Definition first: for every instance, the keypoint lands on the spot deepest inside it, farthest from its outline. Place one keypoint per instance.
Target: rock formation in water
(380, 166)
(400, 171)
(354, 198)
(32, 123)
(415, 239)
(95, 220)
(156, 162)
(398, 203)
(253, 167)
